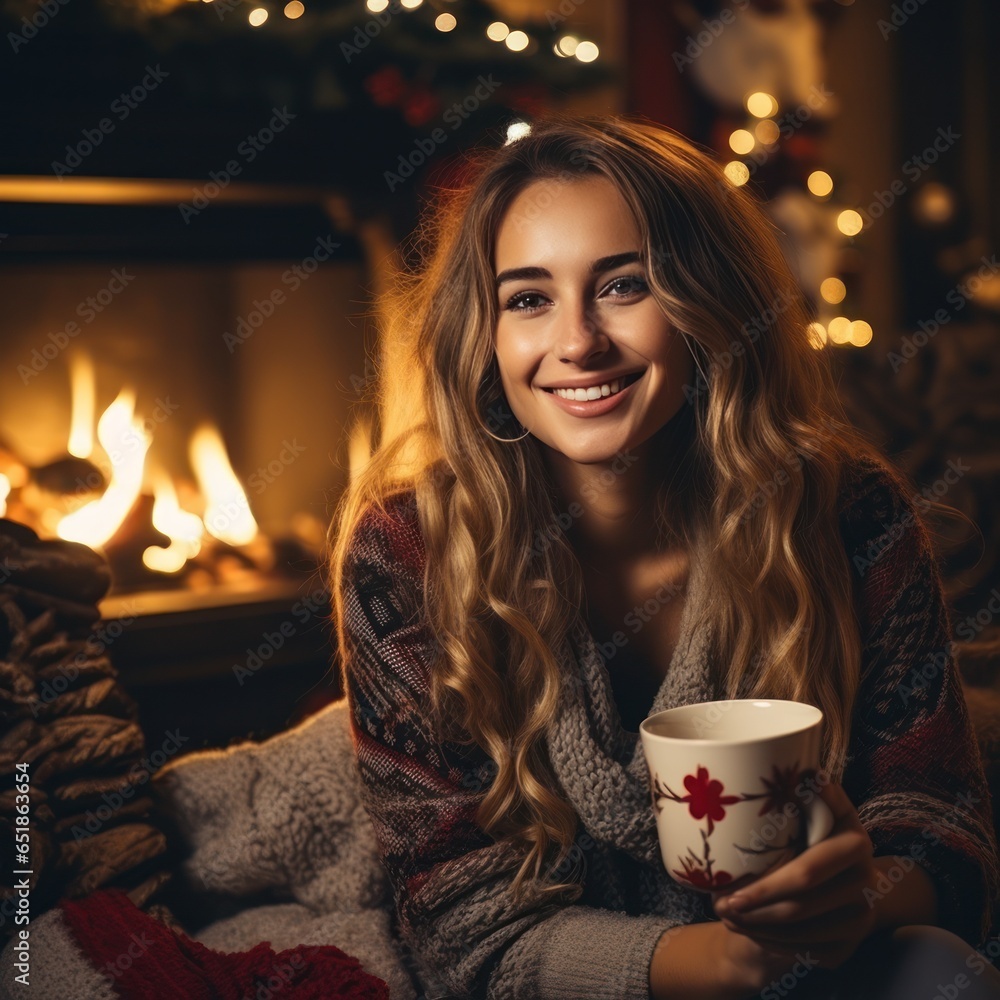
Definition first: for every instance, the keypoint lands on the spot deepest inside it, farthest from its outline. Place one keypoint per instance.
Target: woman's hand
(814, 905)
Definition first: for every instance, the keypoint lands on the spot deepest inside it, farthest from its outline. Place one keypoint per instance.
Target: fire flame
(125, 441)
(227, 513)
(184, 529)
(4, 493)
(81, 426)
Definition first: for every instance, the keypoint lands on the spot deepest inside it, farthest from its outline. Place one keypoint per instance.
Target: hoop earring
(697, 362)
(490, 433)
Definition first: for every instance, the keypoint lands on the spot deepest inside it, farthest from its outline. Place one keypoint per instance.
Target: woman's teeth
(593, 391)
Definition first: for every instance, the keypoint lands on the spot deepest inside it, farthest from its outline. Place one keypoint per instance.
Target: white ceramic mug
(730, 781)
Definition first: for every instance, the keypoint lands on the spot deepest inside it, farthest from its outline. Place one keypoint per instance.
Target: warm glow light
(737, 173)
(517, 130)
(516, 41)
(81, 424)
(820, 183)
(567, 45)
(125, 441)
(257, 16)
(294, 9)
(4, 493)
(761, 105)
(587, 52)
(860, 333)
(934, 203)
(833, 290)
(817, 335)
(227, 513)
(445, 22)
(184, 529)
(359, 447)
(497, 31)
(850, 222)
(741, 141)
(767, 132)
(839, 329)
(376, 6)
(411, 4)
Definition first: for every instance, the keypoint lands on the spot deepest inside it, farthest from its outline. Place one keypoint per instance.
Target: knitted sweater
(913, 771)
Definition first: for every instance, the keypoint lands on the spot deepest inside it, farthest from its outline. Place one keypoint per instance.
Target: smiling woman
(602, 287)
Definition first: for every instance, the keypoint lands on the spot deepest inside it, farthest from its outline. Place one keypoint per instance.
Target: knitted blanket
(283, 814)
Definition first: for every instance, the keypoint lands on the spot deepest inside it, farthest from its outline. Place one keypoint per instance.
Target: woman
(614, 477)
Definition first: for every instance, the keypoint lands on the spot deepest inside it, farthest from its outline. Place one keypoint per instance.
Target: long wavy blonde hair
(765, 437)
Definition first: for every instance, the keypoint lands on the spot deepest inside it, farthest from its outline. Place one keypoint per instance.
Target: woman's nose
(578, 336)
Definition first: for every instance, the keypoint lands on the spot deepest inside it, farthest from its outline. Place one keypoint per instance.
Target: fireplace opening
(192, 416)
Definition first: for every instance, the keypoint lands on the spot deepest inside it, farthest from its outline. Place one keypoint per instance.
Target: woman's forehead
(553, 220)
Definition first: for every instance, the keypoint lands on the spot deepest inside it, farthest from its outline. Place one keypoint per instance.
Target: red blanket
(146, 960)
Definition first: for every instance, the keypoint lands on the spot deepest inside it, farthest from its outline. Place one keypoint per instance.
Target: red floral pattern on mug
(705, 799)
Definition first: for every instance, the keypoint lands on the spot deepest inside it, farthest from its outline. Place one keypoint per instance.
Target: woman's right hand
(750, 967)
(707, 961)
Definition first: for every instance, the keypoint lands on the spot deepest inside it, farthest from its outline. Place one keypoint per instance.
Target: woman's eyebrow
(596, 267)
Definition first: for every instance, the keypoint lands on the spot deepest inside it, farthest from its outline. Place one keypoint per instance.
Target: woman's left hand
(816, 901)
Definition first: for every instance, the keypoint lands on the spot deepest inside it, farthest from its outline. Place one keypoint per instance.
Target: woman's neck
(614, 502)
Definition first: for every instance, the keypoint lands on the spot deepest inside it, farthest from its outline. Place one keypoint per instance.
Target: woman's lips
(593, 407)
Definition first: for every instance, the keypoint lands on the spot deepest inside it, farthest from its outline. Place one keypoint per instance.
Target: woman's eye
(627, 285)
(524, 302)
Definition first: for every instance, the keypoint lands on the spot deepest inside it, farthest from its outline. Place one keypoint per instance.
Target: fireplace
(184, 398)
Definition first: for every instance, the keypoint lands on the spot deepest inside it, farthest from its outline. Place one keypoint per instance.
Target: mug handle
(819, 821)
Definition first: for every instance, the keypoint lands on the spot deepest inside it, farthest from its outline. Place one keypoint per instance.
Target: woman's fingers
(845, 923)
(847, 845)
(843, 889)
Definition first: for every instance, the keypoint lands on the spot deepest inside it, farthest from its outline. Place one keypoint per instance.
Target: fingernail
(737, 902)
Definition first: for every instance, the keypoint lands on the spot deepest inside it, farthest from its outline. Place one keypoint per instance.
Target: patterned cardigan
(913, 771)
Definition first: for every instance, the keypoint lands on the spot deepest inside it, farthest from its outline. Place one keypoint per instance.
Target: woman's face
(575, 311)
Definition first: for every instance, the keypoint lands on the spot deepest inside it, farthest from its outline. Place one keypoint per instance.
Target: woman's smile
(597, 399)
